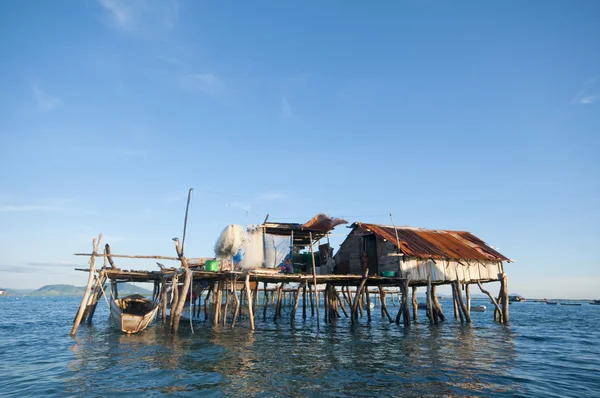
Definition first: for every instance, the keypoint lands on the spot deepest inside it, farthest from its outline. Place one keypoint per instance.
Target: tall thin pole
(314, 272)
(187, 208)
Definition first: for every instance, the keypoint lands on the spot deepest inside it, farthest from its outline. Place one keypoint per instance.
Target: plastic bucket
(388, 274)
(211, 265)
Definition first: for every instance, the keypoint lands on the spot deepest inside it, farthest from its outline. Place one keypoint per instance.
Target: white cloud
(44, 101)
(285, 109)
(587, 94)
(138, 15)
(205, 83)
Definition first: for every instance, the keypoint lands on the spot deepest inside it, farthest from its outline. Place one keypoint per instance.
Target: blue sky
(477, 116)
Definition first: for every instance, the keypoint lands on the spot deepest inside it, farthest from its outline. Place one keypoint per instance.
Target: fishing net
(231, 241)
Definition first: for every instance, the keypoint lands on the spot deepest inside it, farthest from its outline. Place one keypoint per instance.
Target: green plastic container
(211, 265)
(388, 274)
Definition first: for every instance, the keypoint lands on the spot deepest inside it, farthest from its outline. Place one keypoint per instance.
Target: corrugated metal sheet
(436, 244)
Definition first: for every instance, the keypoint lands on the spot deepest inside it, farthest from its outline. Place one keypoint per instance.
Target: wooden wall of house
(348, 257)
(416, 269)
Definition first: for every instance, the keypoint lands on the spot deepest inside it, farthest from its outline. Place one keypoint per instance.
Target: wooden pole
(174, 298)
(255, 296)
(436, 304)
(218, 298)
(496, 306)
(326, 303)
(455, 304)
(354, 312)
(236, 311)
(505, 302)
(415, 304)
(314, 274)
(227, 295)
(266, 300)
(86, 294)
(384, 311)
(211, 287)
(468, 295)
(405, 307)
(95, 296)
(249, 294)
(279, 298)
(300, 287)
(184, 291)
(368, 304)
(461, 303)
(109, 256)
(304, 302)
(341, 304)
(429, 302)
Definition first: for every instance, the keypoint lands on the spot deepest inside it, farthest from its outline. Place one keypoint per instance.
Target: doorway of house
(371, 250)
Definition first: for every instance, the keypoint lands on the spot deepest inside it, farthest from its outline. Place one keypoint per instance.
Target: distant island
(125, 289)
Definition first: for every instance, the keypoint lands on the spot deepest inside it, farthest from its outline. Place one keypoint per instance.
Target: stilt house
(418, 253)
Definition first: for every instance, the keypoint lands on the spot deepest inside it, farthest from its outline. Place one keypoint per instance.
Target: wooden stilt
(255, 296)
(326, 304)
(207, 299)
(468, 295)
(218, 299)
(341, 305)
(384, 311)
(164, 300)
(415, 304)
(314, 274)
(496, 306)
(86, 294)
(429, 302)
(174, 298)
(368, 294)
(237, 300)
(279, 298)
(436, 304)
(505, 302)
(250, 303)
(96, 295)
(455, 304)
(227, 295)
(405, 306)
(293, 318)
(359, 289)
(461, 304)
(184, 291)
(266, 300)
(304, 302)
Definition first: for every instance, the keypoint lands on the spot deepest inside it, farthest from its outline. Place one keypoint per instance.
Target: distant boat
(133, 313)
(595, 302)
(551, 302)
(515, 299)
(571, 304)
(478, 308)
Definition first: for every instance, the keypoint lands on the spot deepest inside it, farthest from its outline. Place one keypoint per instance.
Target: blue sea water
(546, 351)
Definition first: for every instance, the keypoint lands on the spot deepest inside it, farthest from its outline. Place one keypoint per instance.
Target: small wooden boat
(478, 308)
(133, 313)
(595, 302)
(571, 304)
(552, 302)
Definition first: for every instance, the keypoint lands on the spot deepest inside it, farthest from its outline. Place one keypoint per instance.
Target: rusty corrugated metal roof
(437, 244)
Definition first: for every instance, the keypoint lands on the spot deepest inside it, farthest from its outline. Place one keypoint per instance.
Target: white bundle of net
(231, 241)
(254, 251)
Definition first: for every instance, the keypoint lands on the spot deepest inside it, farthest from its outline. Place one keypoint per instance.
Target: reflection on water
(533, 356)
